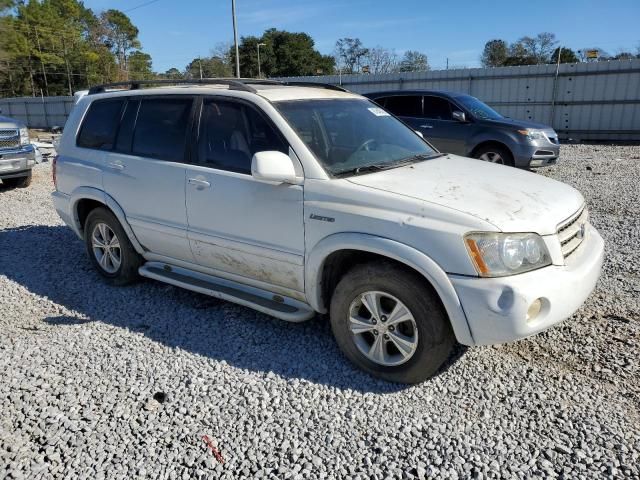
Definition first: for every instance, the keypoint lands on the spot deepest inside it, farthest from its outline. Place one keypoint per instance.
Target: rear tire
(411, 352)
(109, 248)
(19, 182)
(495, 154)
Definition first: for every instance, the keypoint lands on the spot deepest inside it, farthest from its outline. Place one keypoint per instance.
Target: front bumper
(539, 153)
(496, 308)
(17, 162)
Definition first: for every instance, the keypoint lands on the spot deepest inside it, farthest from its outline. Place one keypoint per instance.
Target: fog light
(534, 310)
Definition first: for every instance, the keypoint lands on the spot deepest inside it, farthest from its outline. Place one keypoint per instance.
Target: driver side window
(231, 133)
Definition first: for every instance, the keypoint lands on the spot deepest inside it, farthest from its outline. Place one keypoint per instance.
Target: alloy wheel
(383, 328)
(492, 157)
(106, 248)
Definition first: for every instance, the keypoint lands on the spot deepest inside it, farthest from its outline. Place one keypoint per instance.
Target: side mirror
(459, 116)
(273, 167)
(419, 133)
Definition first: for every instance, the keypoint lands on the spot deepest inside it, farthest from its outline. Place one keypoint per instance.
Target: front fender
(82, 193)
(393, 250)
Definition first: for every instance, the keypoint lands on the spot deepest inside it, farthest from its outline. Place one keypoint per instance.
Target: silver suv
(17, 155)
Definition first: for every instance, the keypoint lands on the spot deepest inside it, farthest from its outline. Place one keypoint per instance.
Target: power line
(140, 6)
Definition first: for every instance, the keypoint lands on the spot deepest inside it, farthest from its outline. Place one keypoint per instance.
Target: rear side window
(161, 128)
(405, 105)
(437, 108)
(100, 124)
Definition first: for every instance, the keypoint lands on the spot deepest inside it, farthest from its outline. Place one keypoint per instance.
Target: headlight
(501, 254)
(24, 136)
(532, 134)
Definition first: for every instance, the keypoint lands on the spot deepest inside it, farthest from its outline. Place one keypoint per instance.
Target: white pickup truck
(296, 200)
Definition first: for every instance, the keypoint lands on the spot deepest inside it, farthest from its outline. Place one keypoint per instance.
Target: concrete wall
(38, 112)
(593, 101)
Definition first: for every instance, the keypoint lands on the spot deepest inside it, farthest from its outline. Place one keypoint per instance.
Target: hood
(515, 124)
(7, 122)
(513, 200)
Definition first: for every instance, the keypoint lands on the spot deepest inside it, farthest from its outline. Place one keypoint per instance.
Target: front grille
(571, 232)
(9, 138)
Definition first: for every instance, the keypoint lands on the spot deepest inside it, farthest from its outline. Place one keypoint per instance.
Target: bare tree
(381, 60)
(538, 48)
(414, 61)
(349, 54)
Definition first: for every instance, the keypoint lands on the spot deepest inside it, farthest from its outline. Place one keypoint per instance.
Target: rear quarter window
(100, 124)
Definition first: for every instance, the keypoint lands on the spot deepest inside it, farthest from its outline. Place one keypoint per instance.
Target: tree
(538, 48)
(171, 74)
(414, 61)
(207, 67)
(519, 54)
(624, 56)
(140, 66)
(381, 60)
(120, 35)
(566, 56)
(495, 53)
(349, 54)
(283, 54)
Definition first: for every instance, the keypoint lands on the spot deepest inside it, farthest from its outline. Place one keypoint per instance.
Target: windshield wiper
(387, 166)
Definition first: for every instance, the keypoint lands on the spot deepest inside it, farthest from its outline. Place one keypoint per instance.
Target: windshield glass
(350, 135)
(478, 108)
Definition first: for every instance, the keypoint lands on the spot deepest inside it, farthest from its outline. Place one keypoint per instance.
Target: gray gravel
(106, 382)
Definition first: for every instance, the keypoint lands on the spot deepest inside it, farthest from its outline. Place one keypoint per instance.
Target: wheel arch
(85, 199)
(491, 143)
(339, 246)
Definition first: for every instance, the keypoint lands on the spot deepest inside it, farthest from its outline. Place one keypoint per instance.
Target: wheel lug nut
(391, 328)
(375, 332)
(374, 321)
(386, 337)
(383, 318)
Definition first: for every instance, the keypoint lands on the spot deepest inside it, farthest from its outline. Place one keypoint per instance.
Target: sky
(175, 32)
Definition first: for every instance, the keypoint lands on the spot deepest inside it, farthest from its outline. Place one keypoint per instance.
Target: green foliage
(566, 56)
(283, 54)
(54, 47)
(207, 67)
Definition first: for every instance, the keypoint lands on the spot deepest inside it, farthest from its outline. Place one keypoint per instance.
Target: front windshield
(349, 135)
(478, 109)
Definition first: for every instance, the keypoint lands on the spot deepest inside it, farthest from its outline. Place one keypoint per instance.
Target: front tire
(389, 323)
(495, 154)
(109, 248)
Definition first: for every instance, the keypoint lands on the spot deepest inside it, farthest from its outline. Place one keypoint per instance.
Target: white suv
(294, 200)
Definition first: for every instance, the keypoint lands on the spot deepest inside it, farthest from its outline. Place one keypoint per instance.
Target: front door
(145, 172)
(238, 225)
(437, 123)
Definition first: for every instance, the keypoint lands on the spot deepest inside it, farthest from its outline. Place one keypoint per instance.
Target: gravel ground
(106, 382)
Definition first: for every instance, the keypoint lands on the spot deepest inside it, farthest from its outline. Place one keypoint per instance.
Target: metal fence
(38, 112)
(583, 101)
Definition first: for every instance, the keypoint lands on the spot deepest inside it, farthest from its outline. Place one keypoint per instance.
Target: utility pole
(66, 61)
(235, 37)
(44, 73)
(200, 62)
(260, 45)
(447, 63)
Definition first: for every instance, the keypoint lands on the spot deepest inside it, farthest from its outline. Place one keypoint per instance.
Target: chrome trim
(572, 231)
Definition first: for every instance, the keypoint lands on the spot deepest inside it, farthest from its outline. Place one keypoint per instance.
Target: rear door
(238, 225)
(145, 171)
(407, 107)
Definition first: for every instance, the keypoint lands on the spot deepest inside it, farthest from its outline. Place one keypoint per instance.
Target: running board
(278, 306)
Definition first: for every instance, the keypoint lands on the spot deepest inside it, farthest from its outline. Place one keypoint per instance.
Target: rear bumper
(496, 308)
(62, 204)
(18, 162)
(536, 154)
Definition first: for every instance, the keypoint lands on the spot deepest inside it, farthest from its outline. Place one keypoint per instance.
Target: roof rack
(328, 86)
(242, 84)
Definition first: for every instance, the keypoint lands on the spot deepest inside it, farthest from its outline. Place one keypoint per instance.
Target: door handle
(117, 165)
(199, 183)
(426, 126)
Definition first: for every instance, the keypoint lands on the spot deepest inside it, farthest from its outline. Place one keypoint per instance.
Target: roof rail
(328, 86)
(242, 84)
